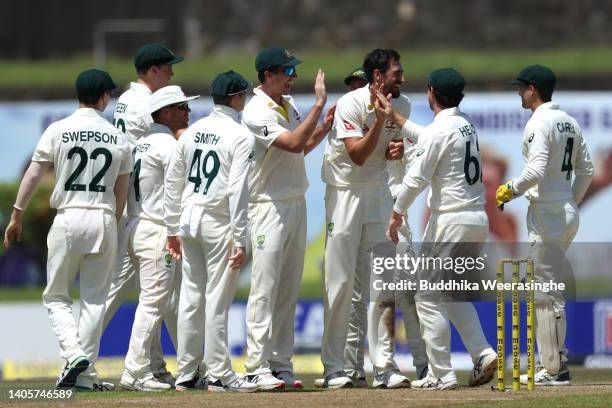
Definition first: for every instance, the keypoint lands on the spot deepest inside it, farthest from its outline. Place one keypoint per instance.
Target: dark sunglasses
(290, 70)
(182, 105)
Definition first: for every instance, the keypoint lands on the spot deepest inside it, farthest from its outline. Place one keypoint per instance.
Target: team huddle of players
(197, 196)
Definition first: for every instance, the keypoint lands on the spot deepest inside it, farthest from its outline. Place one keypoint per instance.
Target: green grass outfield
(590, 388)
(476, 65)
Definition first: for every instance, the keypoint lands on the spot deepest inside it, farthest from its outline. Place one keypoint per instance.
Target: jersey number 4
(93, 186)
(469, 160)
(566, 165)
(209, 170)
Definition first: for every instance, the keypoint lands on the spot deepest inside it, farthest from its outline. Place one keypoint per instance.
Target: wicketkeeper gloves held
(504, 194)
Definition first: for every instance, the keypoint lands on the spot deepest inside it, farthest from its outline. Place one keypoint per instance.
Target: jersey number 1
(198, 163)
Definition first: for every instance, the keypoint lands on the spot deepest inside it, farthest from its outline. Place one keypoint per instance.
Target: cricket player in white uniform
(357, 199)
(209, 171)
(92, 163)
(553, 150)
(146, 233)
(448, 159)
(153, 63)
(277, 212)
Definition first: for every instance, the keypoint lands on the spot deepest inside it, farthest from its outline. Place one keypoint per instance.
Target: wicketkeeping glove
(504, 194)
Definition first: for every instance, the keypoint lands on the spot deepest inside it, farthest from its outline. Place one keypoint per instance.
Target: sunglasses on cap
(290, 71)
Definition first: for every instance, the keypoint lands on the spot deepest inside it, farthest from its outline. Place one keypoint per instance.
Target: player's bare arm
(321, 131)
(237, 257)
(28, 186)
(295, 141)
(174, 246)
(121, 192)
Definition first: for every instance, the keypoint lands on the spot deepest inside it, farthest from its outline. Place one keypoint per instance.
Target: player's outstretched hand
(395, 221)
(237, 258)
(319, 88)
(174, 246)
(395, 150)
(383, 106)
(328, 121)
(13, 230)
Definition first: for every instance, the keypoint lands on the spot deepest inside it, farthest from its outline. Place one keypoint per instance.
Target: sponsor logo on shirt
(260, 241)
(531, 137)
(420, 152)
(348, 126)
(330, 229)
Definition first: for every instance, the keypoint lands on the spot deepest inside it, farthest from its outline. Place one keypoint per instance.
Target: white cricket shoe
(431, 383)
(236, 385)
(337, 380)
(289, 379)
(128, 382)
(358, 382)
(391, 380)
(484, 370)
(543, 377)
(265, 381)
(165, 377)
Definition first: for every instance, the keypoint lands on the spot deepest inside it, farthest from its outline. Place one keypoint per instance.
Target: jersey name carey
(87, 136)
(206, 138)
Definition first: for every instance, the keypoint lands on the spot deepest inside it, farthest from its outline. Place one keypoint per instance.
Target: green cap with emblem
(537, 75)
(447, 81)
(274, 57)
(357, 73)
(93, 83)
(154, 54)
(227, 84)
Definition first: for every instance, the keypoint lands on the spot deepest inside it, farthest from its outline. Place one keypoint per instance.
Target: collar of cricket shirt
(88, 112)
(546, 106)
(159, 128)
(138, 87)
(283, 110)
(220, 110)
(448, 112)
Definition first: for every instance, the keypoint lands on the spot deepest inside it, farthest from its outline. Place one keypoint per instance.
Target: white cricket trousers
(207, 292)
(125, 280)
(383, 359)
(155, 268)
(460, 226)
(551, 229)
(278, 238)
(356, 222)
(80, 337)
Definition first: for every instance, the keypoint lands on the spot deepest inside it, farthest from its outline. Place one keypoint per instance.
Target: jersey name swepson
(152, 155)
(276, 174)
(88, 154)
(553, 149)
(447, 157)
(354, 117)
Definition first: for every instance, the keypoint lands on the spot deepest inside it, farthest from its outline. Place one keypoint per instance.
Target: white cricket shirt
(276, 174)
(209, 169)
(152, 155)
(354, 117)
(132, 114)
(447, 157)
(88, 154)
(553, 150)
